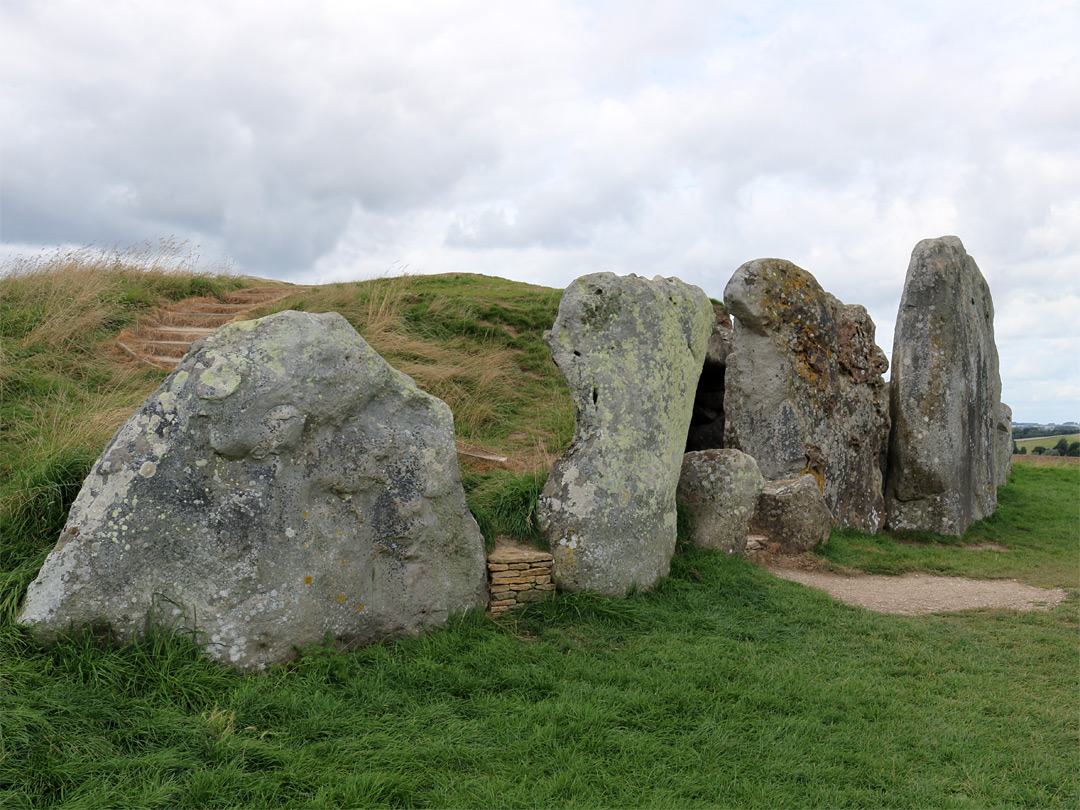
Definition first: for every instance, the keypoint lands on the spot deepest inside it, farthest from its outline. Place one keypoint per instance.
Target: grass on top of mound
(476, 342)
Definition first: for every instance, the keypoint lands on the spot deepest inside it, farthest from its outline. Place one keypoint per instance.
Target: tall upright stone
(1003, 451)
(631, 351)
(804, 391)
(946, 392)
(283, 483)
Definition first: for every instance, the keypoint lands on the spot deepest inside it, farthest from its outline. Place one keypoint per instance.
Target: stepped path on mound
(164, 337)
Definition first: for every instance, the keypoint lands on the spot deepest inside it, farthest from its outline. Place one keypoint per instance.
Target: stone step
(188, 334)
(207, 305)
(160, 348)
(162, 339)
(187, 318)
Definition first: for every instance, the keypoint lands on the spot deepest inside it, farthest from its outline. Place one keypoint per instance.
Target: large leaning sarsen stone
(631, 351)
(945, 458)
(283, 483)
(804, 392)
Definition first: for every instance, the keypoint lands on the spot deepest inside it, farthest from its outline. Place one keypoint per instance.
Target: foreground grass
(724, 687)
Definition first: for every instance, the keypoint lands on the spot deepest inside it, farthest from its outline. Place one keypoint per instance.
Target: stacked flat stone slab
(283, 483)
(803, 390)
(517, 574)
(632, 352)
(946, 391)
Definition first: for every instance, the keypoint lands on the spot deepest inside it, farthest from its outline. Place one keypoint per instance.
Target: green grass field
(1046, 441)
(723, 687)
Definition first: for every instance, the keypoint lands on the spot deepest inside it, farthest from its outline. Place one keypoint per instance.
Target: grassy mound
(722, 687)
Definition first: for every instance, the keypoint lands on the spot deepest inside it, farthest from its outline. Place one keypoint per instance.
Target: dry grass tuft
(54, 300)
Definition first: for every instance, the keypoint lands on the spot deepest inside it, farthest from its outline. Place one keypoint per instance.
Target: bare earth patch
(912, 594)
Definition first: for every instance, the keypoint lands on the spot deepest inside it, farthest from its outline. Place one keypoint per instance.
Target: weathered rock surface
(721, 488)
(804, 391)
(707, 419)
(1003, 453)
(631, 351)
(945, 394)
(283, 483)
(793, 514)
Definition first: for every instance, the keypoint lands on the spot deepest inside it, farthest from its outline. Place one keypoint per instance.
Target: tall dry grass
(52, 302)
(63, 388)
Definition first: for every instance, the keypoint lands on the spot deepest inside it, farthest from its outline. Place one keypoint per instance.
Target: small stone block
(514, 581)
(522, 586)
(518, 566)
(534, 596)
(543, 580)
(499, 589)
(518, 554)
(504, 603)
(549, 587)
(496, 566)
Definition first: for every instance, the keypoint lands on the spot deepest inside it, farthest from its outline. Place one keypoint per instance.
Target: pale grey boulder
(283, 483)
(721, 489)
(631, 351)
(1004, 447)
(946, 390)
(792, 515)
(804, 391)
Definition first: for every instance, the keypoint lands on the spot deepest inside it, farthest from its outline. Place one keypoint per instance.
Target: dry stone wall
(518, 574)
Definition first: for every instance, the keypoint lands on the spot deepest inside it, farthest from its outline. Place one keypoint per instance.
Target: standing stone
(792, 514)
(804, 391)
(945, 394)
(631, 351)
(721, 488)
(283, 483)
(1003, 453)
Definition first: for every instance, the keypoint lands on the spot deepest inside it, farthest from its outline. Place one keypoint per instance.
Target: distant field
(1046, 441)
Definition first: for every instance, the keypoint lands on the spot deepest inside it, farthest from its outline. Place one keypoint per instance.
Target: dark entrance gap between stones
(707, 420)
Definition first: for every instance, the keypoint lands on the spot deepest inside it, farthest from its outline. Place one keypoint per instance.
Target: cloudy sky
(540, 141)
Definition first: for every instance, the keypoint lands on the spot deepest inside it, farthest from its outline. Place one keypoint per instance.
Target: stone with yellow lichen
(804, 391)
(631, 351)
(945, 452)
(283, 483)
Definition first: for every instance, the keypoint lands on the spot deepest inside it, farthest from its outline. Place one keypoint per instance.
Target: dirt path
(163, 337)
(914, 594)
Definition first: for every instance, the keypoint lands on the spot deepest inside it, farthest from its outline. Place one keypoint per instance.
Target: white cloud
(541, 141)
